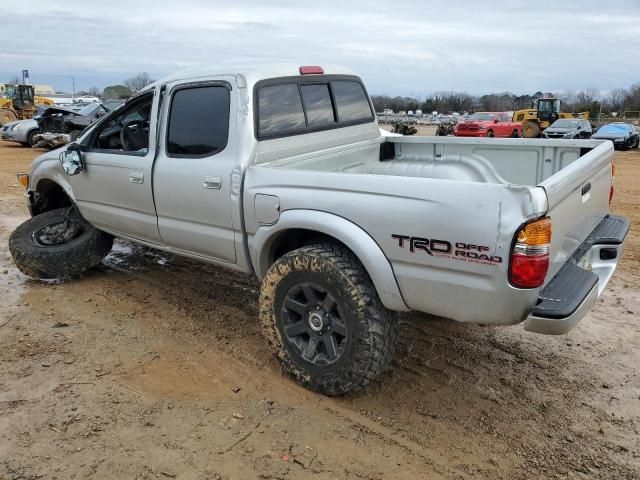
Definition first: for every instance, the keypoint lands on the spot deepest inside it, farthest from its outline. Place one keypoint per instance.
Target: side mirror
(71, 161)
(495, 120)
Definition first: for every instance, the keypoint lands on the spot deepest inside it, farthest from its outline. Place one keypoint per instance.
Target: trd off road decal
(467, 252)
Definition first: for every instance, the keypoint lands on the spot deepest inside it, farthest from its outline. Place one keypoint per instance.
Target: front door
(114, 193)
(193, 186)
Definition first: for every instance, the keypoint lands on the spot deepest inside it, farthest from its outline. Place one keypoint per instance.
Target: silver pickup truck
(281, 171)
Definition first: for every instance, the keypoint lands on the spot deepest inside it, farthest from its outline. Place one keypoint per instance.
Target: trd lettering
(424, 244)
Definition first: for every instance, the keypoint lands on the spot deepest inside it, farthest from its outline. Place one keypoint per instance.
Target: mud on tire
(322, 292)
(37, 253)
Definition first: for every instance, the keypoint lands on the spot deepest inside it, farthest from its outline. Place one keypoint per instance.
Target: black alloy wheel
(314, 323)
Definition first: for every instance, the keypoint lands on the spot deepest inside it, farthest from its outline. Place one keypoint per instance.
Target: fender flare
(355, 238)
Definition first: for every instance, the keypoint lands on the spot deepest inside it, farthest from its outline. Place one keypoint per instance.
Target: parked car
(72, 119)
(281, 171)
(568, 128)
(623, 135)
(21, 131)
(488, 124)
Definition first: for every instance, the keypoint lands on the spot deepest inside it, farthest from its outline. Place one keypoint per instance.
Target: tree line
(617, 100)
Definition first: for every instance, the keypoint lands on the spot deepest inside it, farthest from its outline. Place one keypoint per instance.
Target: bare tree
(95, 92)
(138, 82)
(15, 80)
(616, 99)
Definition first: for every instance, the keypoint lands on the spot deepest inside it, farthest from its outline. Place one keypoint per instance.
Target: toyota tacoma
(282, 172)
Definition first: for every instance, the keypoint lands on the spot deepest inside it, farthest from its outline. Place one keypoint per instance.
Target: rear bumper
(568, 296)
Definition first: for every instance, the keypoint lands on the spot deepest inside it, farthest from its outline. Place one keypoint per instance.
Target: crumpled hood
(58, 110)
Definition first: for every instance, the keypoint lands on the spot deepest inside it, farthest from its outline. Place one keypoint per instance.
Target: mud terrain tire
(326, 284)
(84, 250)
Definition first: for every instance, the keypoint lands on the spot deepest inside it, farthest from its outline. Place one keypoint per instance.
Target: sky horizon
(415, 50)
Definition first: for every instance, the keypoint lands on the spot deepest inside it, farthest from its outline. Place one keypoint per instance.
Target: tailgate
(578, 200)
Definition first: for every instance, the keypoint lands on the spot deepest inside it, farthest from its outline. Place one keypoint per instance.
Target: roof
(251, 73)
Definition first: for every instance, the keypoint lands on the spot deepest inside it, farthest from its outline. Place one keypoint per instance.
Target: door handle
(136, 177)
(213, 183)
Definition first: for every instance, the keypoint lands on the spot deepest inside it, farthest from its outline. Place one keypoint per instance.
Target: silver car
(21, 131)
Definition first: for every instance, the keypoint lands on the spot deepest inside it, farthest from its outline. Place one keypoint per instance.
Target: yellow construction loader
(19, 102)
(543, 113)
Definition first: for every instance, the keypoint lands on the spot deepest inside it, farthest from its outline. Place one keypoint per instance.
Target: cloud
(410, 47)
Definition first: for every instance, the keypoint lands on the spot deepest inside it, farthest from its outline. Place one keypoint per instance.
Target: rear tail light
(613, 174)
(311, 70)
(530, 254)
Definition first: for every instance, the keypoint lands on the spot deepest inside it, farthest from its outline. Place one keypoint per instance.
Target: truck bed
(478, 191)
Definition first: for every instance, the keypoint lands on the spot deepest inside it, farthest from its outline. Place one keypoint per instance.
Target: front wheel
(58, 244)
(530, 129)
(490, 134)
(324, 321)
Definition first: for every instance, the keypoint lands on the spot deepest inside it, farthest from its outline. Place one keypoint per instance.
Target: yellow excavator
(543, 113)
(19, 102)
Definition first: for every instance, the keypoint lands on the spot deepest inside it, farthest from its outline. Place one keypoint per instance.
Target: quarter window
(351, 101)
(280, 110)
(198, 121)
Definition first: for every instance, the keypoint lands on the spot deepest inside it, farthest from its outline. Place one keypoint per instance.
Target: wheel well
(48, 196)
(295, 238)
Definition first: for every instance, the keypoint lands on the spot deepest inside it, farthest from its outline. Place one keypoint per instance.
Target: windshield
(89, 109)
(11, 92)
(614, 128)
(565, 124)
(482, 116)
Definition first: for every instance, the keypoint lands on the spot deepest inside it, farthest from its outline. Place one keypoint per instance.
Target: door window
(198, 121)
(128, 131)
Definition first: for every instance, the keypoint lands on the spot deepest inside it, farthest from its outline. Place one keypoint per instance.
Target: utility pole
(73, 84)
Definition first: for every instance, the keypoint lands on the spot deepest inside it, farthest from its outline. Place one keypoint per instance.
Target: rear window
(280, 110)
(198, 121)
(317, 102)
(351, 101)
(305, 106)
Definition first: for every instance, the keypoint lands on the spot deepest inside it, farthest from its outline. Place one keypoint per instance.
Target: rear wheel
(530, 129)
(324, 321)
(58, 244)
(514, 134)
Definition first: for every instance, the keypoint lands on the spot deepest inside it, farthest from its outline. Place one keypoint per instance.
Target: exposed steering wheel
(133, 136)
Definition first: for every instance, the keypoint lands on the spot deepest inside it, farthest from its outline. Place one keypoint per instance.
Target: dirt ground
(153, 366)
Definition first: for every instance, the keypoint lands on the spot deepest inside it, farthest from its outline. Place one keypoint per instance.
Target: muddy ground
(153, 366)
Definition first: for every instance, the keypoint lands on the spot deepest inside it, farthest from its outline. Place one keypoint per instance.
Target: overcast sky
(398, 47)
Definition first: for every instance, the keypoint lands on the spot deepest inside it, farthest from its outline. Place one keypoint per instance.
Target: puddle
(130, 256)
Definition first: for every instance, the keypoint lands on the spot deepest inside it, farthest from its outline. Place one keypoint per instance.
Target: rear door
(193, 186)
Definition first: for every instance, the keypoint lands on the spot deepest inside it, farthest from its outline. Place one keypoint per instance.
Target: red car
(488, 124)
